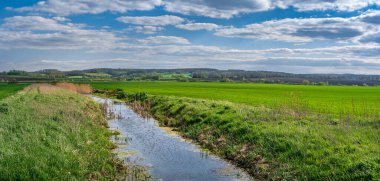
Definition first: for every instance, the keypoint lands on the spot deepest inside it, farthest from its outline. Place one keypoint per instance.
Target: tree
(306, 82)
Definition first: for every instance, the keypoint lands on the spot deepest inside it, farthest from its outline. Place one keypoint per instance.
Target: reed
(78, 88)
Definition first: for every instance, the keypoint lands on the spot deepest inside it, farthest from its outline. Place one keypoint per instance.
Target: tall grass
(79, 88)
(55, 135)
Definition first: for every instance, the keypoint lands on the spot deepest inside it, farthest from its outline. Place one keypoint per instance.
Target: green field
(9, 89)
(340, 100)
(275, 132)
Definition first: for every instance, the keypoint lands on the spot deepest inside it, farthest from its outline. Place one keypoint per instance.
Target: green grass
(338, 100)
(9, 89)
(54, 136)
(272, 144)
(290, 132)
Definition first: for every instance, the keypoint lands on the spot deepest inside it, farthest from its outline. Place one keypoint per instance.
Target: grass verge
(55, 135)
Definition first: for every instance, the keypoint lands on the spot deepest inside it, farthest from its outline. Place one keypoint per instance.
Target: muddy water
(166, 155)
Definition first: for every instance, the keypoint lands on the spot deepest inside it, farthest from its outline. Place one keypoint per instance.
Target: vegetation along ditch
(48, 133)
(160, 152)
(271, 143)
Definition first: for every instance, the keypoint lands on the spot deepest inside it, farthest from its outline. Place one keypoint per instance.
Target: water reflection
(168, 156)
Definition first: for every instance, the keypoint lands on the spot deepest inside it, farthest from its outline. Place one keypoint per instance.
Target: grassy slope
(51, 136)
(326, 99)
(273, 144)
(9, 89)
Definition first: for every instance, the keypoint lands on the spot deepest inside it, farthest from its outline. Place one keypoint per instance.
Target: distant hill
(192, 74)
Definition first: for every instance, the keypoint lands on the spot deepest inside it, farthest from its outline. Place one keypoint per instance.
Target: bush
(121, 95)
(140, 96)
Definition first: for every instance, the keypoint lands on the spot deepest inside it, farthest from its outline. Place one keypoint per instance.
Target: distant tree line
(196, 74)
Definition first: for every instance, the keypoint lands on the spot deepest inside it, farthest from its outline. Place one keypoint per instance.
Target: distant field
(324, 99)
(9, 89)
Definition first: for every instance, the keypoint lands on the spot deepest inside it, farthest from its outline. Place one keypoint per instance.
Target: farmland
(273, 131)
(337, 100)
(9, 89)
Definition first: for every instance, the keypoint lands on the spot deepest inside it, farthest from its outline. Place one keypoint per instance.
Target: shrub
(121, 95)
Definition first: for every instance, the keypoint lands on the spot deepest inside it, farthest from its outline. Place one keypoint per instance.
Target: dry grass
(40, 88)
(78, 88)
(142, 108)
(48, 88)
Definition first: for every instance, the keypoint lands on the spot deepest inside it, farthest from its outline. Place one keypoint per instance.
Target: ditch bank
(162, 152)
(271, 144)
(48, 133)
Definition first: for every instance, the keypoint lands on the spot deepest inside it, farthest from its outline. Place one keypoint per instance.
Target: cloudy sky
(313, 36)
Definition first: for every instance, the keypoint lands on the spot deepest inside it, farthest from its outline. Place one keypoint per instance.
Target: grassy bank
(52, 134)
(275, 143)
(347, 101)
(9, 89)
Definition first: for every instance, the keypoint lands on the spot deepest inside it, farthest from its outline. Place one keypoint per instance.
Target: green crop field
(323, 99)
(9, 89)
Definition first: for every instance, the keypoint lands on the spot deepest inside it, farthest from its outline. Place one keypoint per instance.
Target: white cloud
(148, 30)
(305, 30)
(162, 40)
(229, 9)
(317, 60)
(322, 5)
(216, 8)
(364, 53)
(176, 52)
(69, 7)
(198, 26)
(164, 20)
(371, 38)
(209, 8)
(60, 18)
(34, 23)
(371, 16)
(37, 32)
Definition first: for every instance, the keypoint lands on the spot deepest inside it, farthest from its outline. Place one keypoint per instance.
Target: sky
(296, 36)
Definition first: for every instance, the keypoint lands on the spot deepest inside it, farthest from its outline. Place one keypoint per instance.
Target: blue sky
(316, 36)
